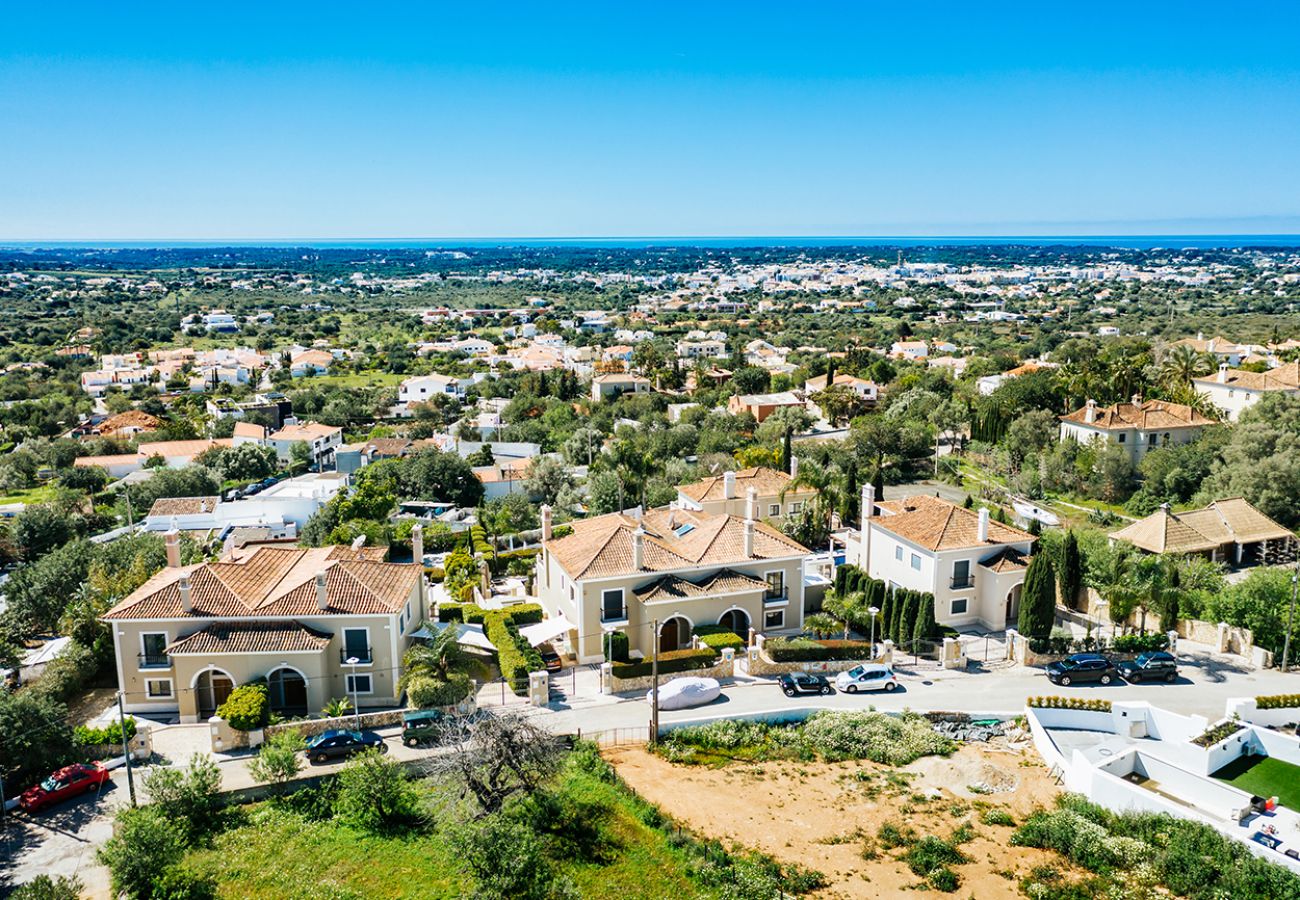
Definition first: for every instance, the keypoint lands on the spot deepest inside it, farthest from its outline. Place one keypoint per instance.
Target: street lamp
(356, 710)
(875, 611)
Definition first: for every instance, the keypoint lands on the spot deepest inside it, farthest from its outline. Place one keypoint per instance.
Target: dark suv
(1154, 666)
(1082, 668)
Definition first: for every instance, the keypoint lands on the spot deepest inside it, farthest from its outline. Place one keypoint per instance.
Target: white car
(683, 693)
(871, 677)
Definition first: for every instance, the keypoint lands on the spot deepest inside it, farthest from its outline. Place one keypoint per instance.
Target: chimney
(983, 533)
(638, 549)
(868, 500)
(546, 522)
(749, 539)
(1223, 373)
(794, 466)
(172, 543)
(1090, 411)
(186, 605)
(728, 485)
(1136, 399)
(321, 600)
(1200, 335)
(751, 504)
(417, 544)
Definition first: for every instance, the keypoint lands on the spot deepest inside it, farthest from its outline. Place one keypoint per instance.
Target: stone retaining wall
(759, 663)
(725, 667)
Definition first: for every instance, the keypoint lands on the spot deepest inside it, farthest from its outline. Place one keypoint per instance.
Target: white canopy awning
(547, 630)
(468, 635)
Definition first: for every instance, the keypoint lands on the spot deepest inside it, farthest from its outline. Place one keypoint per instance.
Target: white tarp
(547, 630)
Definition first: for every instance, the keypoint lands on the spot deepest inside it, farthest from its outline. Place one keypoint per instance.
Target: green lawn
(42, 494)
(278, 853)
(1264, 776)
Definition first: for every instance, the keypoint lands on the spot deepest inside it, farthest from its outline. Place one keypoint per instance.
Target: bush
(719, 637)
(893, 740)
(425, 692)
(279, 759)
(247, 707)
(806, 650)
(672, 661)
(1069, 703)
(374, 793)
(145, 844)
(85, 736)
(997, 817)
(188, 797)
(1141, 643)
(1278, 701)
(43, 887)
(515, 655)
(615, 647)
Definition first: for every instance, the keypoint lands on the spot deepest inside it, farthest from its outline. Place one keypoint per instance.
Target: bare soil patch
(825, 815)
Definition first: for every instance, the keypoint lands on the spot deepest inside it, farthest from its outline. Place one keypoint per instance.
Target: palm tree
(1180, 365)
(845, 608)
(437, 658)
(826, 481)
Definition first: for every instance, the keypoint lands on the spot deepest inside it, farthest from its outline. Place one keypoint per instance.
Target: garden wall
(1247, 709)
(759, 663)
(723, 668)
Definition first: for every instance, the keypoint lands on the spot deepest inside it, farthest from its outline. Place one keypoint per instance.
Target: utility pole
(654, 684)
(1290, 617)
(126, 748)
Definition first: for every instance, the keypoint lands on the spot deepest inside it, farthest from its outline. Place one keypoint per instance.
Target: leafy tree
(547, 477)
(750, 380)
(91, 479)
(39, 529)
(43, 887)
(1259, 602)
(1071, 568)
(369, 500)
(188, 797)
(1038, 599)
(145, 843)
(1261, 460)
(506, 860)
(35, 738)
(434, 475)
(374, 793)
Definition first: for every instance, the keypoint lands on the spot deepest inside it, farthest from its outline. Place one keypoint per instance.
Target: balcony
(154, 661)
(776, 598)
(613, 614)
(364, 657)
(961, 582)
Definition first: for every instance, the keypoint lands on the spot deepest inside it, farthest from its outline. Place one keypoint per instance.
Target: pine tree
(1038, 599)
(1071, 574)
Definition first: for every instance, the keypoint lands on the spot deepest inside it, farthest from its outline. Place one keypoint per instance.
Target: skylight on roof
(683, 530)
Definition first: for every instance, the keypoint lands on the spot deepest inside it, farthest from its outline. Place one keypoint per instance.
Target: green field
(1264, 777)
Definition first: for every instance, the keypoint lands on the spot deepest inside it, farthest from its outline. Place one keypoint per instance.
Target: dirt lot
(825, 815)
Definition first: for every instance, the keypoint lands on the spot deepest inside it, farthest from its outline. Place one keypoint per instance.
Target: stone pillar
(887, 654)
(1012, 637)
(607, 678)
(1223, 642)
(1173, 640)
(728, 662)
(954, 657)
(539, 688)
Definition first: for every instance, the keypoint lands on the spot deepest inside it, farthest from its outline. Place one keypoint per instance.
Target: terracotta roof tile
(671, 587)
(1146, 415)
(1222, 522)
(936, 524)
(183, 506)
(1283, 378)
(283, 637)
(768, 483)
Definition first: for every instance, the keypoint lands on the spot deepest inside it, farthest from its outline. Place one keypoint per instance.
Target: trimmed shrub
(1277, 701)
(425, 692)
(616, 647)
(806, 650)
(672, 661)
(1069, 703)
(719, 637)
(247, 707)
(1141, 643)
(515, 655)
(84, 736)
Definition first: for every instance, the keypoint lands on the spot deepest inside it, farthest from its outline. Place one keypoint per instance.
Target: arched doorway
(674, 634)
(286, 690)
(1013, 605)
(736, 620)
(211, 688)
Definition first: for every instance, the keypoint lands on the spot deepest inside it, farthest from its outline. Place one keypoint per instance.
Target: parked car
(803, 683)
(550, 658)
(1082, 668)
(683, 693)
(335, 744)
(421, 726)
(66, 783)
(1153, 666)
(867, 677)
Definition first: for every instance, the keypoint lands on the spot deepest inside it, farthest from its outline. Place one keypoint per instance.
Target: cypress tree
(878, 482)
(851, 493)
(830, 373)
(882, 620)
(1071, 569)
(786, 450)
(1035, 527)
(926, 626)
(1038, 599)
(896, 617)
(907, 623)
(969, 502)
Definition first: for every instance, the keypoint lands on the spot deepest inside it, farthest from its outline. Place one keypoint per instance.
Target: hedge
(472, 614)
(672, 661)
(1277, 701)
(247, 707)
(84, 736)
(1069, 703)
(806, 650)
(424, 693)
(515, 655)
(719, 637)
(615, 647)
(1141, 643)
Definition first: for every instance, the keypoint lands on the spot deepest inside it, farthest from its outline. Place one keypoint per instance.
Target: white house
(1236, 390)
(973, 566)
(1138, 426)
(322, 440)
(909, 350)
(422, 388)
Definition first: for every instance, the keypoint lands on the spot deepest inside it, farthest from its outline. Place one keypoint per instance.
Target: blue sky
(251, 121)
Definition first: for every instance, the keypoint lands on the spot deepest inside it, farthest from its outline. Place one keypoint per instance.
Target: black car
(802, 683)
(1082, 668)
(335, 744)
(1154, 666)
